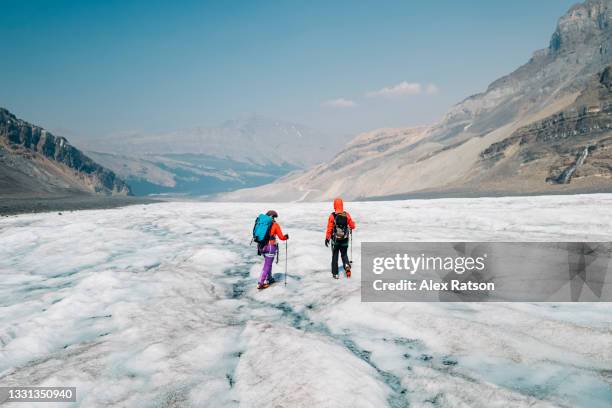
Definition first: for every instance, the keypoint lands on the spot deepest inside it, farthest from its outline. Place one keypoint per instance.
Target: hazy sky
(94, 68)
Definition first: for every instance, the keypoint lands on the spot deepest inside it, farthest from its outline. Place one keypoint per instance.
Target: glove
(286, 236)
(327, 242)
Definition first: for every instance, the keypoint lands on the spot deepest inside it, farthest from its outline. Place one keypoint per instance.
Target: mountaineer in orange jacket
(339, 227)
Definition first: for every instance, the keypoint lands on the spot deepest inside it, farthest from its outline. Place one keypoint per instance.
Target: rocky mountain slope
(34, 163)
(447, 158)
(249, 151)
(573, 144)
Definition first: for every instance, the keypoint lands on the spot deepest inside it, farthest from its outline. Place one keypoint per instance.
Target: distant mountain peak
(250, 138)
(254, 120)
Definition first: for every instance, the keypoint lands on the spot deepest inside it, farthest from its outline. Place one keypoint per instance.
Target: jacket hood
(338, 205)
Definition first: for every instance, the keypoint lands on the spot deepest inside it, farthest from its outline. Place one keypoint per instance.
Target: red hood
(338, 205)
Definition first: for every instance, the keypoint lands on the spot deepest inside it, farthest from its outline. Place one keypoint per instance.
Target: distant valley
(188, 174)
(246, 152)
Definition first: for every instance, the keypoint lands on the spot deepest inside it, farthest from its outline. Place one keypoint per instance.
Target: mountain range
(541, 129)
(544, 128)
(248, 151)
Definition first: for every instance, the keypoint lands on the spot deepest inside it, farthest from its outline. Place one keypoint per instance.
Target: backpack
(261, 231)
(341, 229)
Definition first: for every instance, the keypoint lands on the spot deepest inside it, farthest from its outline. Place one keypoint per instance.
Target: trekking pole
(351, 260)
(286, 243)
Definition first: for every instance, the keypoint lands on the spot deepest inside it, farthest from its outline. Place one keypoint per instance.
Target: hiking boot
(335, 276)
(271, 281)
(264, 286)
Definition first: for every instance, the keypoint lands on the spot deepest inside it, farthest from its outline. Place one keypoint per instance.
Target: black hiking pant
(342, 248)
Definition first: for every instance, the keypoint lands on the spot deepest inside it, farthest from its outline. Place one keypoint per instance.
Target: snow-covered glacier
(156, 306)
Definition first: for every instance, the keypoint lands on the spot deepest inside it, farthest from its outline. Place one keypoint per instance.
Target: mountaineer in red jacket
(339, 227)
(269, 252)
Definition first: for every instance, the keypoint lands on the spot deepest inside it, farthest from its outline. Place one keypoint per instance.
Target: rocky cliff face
(572, 138)
(29, 151)
(582, 24)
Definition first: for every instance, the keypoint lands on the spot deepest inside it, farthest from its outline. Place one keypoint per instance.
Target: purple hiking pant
(269, 252)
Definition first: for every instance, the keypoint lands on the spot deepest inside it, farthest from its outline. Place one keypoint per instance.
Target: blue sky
(97, 68)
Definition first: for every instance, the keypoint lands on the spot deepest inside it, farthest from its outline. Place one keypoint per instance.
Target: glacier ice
(156, 305)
